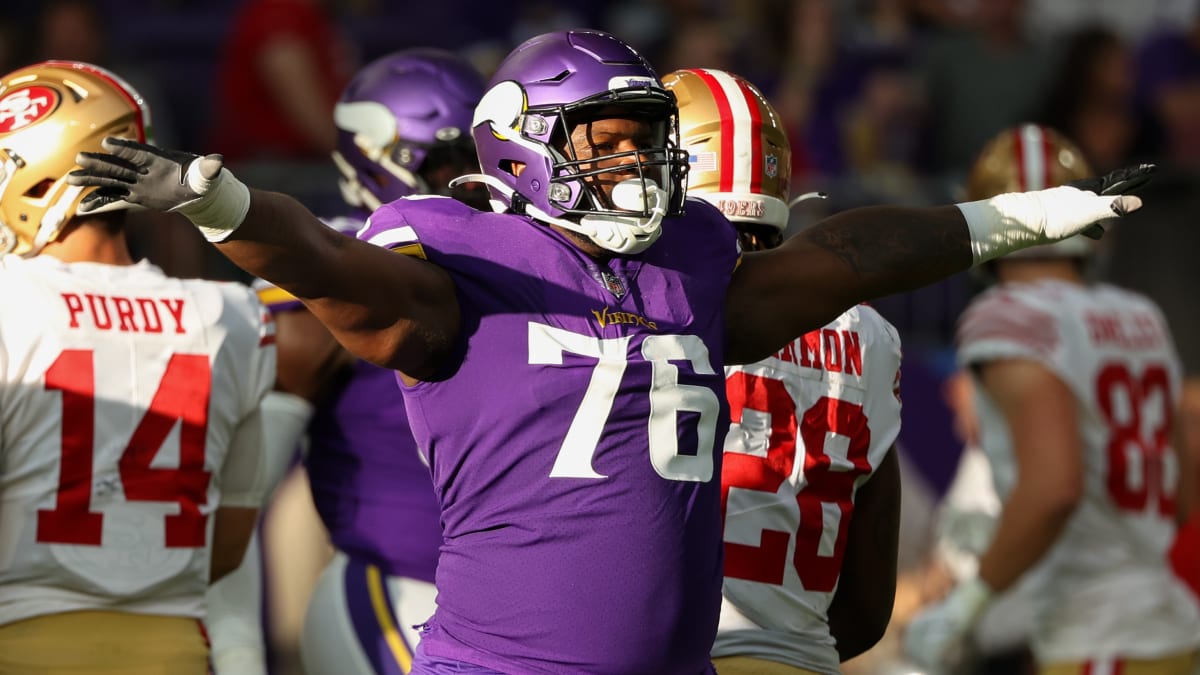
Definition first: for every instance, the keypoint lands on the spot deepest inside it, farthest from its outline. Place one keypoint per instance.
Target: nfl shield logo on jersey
(613, 283)
(771, 167)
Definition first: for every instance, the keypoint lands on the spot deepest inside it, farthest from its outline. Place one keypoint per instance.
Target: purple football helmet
(539, 92)
(400, 119)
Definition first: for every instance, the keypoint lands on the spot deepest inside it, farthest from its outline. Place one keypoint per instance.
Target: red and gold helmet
(739, 158)
(49, 112)
(1030, 157)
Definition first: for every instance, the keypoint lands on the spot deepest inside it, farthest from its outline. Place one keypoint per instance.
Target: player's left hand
(1123, 181)
(935, 637)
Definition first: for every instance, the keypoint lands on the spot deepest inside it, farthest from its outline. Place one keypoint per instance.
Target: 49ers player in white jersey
(129, 406)
(810, 427)
(1077, 385)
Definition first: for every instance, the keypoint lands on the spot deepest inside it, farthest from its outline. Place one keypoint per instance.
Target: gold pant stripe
(1178, 664)
(748, 665)
(103, 643)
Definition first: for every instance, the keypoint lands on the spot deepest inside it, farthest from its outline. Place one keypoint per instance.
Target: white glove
(1016, 220)
(935, 637)
(163, 180)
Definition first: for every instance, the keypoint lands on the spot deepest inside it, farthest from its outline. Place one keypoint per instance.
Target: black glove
(142, 174)
(1122, 181)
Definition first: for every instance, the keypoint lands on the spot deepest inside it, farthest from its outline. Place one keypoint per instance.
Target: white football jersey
(809, 427)
(1103, 589)
(122, 393)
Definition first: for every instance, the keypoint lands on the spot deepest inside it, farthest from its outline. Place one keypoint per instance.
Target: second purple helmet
(538, 93)
(401, 115)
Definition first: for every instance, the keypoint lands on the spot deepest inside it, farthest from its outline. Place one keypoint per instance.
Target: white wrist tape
(969, 599)
(1017, 220)
(222, 204)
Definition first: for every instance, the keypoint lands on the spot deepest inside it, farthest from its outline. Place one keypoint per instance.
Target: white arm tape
(251, 473)
(285, 418)
(1017, 220)
(234, 618)
(969, 599)
(222, 205)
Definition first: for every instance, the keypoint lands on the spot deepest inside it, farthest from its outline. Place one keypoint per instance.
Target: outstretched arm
(843, 260)
(866, 253)
(392, 310)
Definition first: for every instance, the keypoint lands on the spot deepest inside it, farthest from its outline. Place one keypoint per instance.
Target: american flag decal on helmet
(702, 161)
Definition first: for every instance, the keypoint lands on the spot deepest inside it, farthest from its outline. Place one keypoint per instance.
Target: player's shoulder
(1015, 302)
(702, 235)
(347, 225)
(1124, 297)
(1013, 320)
(420, 215)
(700, 215)
(233, 306)
(867, 321)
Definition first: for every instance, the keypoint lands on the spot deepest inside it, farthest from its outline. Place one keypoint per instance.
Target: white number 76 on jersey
(667, 398)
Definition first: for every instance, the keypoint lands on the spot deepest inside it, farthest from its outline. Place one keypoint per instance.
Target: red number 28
(766, 562)
(182, 396)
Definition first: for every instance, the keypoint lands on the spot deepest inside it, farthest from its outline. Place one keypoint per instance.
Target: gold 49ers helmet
(739, 158)
(49, 112)
(1030, 157)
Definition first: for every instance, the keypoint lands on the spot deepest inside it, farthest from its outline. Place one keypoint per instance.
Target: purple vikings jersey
(368, 482)
(369, 485)
(572, 442)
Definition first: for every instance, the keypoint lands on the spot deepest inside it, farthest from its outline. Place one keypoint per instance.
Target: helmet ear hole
(39, 189)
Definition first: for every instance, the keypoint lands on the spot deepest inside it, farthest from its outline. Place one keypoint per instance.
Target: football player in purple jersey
(404, 124)
(561, 358)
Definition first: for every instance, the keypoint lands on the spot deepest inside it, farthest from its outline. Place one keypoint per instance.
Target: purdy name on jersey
(123, 393)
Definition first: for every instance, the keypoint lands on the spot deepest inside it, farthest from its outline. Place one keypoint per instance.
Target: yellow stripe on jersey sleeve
(414, 250)
(275, 296)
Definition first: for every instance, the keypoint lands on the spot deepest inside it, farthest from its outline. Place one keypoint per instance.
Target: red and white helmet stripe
(741, 153)
(1033, 150)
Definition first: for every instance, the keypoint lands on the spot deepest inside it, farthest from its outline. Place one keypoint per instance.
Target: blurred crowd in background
(886, 101)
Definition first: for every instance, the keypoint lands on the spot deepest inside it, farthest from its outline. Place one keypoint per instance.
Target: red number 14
(182, 396)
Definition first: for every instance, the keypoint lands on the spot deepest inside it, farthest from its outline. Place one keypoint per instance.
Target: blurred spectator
(865, 109)
(1168, 91)
(1091, 100)
(283, 65)
(71, 30)
(812, 35)
(981, 80)
(1131, 20)
(76, 30)
(698, 41)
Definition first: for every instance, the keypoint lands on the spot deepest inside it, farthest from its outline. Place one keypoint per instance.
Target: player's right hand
(164, 180)
(159, 179)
